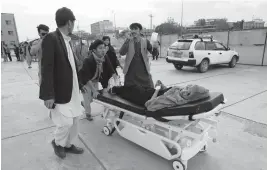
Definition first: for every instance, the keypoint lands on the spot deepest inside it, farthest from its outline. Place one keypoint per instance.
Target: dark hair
(63, 15)
(91, 47)
(106, 37)
(135, 26)
(95, 44)
(42, 27)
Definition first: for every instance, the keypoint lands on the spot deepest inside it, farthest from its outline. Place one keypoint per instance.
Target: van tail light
(191, 55)
(167, 53)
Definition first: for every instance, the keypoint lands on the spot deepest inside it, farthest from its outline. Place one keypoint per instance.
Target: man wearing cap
(59, 86)
(136, 68)
(36, 49)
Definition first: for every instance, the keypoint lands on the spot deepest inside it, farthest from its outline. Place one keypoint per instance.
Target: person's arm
(118, 64)
(47, 69)
(124, 48)
(149, 47)
(108, 73)
(85, 74)
(36, 45)
(77, 51)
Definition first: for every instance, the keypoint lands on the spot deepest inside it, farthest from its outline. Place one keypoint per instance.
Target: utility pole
(151, 16)
(78, 30)
(182, 17)
(114, 19)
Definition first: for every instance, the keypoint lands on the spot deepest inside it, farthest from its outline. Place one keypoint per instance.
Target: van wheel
(178, 66)
(203, 66)
(233, 62)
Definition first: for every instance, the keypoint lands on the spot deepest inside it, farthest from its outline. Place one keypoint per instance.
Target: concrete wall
(248, 43)
(165, 42)
(265, 56)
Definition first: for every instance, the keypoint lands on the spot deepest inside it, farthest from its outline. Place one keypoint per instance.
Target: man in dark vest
(137, 67)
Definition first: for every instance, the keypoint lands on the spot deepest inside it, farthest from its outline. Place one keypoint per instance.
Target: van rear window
(181, 45)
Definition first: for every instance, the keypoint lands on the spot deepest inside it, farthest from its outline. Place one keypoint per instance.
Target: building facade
(254, 24)
(9, 30)
(101, 27)
(201, 29)
(208, 25)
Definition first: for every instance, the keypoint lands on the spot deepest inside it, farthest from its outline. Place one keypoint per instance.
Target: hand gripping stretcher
(176, 133)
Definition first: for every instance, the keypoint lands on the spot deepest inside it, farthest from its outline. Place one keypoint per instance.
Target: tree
(238, 25)
(202, 22)
(169, 27)
(170, 20)
(221, 24)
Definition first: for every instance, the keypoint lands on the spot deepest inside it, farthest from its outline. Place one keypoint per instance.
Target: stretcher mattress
(193, 108)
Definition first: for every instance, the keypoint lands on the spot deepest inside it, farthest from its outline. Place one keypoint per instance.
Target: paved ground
(242, 144)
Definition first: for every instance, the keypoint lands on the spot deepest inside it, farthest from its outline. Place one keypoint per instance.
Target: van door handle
(208, 53)
(220, 53)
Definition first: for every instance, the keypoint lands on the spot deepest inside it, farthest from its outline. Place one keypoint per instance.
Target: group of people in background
(5, 52)
(21, 51)
(26, 50)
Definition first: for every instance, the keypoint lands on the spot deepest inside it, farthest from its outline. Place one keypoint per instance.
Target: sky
(30, 13)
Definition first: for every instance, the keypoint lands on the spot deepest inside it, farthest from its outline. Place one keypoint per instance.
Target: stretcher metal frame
(186, 139)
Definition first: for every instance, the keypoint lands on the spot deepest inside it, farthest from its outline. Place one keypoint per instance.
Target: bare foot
(159, 83)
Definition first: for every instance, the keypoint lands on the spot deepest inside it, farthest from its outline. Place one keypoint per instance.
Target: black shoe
(89, 117)
(59, 150)
(75, 150)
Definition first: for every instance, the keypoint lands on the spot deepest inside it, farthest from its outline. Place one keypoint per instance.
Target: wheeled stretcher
(176, 133)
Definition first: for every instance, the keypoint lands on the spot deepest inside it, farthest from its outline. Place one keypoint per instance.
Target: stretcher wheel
(120, 117)
(106, 131)
(178, 165)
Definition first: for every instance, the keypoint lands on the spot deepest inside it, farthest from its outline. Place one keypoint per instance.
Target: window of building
(10, 33)
(8, 22)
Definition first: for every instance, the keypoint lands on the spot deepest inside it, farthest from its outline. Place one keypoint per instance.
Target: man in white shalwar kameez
(59, 86)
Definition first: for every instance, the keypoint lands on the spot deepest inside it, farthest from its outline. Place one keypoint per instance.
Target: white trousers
(29, 60)
(67, 129)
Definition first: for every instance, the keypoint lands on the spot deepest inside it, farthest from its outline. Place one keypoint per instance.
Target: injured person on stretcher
(160, 97)
(172, 122)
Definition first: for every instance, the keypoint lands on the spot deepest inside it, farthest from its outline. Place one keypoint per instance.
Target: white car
(200, 52)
